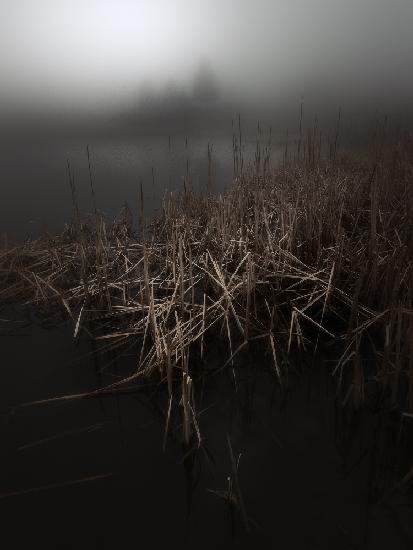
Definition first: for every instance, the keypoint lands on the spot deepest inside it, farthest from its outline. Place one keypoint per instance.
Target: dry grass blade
(316, 251)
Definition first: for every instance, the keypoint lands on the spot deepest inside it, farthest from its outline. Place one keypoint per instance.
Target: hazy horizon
(123, 76)
(94, 57)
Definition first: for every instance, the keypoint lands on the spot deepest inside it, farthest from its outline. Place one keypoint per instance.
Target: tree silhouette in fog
(205, 84)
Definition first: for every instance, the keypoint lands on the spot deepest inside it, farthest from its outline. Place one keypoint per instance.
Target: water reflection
(288, 469)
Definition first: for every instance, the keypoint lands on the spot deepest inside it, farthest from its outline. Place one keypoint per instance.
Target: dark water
(296, 493)
(155, 151)
(35, 193)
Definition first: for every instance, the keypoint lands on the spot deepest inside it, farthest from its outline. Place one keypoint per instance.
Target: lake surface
(298, 489)
(34, 174)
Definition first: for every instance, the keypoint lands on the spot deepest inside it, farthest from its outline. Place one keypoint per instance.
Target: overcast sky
(97, 52)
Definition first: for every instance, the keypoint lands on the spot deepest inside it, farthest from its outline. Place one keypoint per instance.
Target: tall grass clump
(315, 252)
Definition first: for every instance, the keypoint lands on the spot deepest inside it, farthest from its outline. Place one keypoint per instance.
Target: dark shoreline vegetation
(312, 258)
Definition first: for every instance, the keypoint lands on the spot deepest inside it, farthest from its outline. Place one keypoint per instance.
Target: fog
(97, 56)
(149, 84)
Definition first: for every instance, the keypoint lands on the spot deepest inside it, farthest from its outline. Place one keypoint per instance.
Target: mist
(149, 84)
(95, 57)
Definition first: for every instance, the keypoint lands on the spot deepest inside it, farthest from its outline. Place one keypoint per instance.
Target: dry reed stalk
(326, 244)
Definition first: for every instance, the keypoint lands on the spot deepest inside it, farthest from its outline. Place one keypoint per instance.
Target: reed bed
(316, 252)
